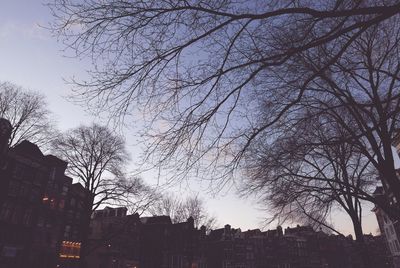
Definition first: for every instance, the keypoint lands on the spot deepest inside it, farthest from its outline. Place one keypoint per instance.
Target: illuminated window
(45, 199)
(70, 250)
(53, 203)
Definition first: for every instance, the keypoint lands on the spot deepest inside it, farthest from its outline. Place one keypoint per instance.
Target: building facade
(130, 241)
(39, 227)
(390, 228)
(120, 240)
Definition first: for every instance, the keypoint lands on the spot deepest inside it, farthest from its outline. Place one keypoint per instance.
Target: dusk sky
(32, 58)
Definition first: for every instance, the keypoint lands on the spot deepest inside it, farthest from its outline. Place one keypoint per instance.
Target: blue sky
(32, 58)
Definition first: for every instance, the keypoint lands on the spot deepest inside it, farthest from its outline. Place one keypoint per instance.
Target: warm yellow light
(69, 256)
(70, 249)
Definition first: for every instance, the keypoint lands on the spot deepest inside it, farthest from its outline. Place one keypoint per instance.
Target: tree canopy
(96, 158)
(180, 210)
(28, 114)
(217, 78)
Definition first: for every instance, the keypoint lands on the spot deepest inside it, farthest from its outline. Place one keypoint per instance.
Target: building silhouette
(389, 228)
(120, 240)
(40, 212)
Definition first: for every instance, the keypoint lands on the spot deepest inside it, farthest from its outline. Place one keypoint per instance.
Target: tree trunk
(360, 242)
(85, 222)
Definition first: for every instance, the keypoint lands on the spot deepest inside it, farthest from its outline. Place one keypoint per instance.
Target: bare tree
(203, 69)
(28, 114)
(136, 195)
(180, 210)
(96, 157)
(168, 205)
(359, 93)
(303, 176)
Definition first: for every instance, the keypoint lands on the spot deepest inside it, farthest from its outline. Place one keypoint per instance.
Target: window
(19, 171)
(51, 186)
(53, 174)
(40, 222)
(61, 204)
(16, 216)
(27, 217)
(70, 215)
(6, 211)
(13, 188)
(64, 190)
(391, 247)
(396, 243)
(24, 189)
(4, 165)
(45, 199)
(67, 231)
(37, 180)
(34, 195)
(73, 202)
(53, 203)
(75, 234)
(70, 249)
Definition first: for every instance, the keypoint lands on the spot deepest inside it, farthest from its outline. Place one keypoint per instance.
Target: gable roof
(29, 149)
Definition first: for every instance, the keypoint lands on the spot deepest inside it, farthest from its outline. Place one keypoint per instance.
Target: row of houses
(120, 240)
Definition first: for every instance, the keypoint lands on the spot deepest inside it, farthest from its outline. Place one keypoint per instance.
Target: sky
(30, 57)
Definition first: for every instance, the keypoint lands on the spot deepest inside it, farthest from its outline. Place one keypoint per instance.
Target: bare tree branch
(28, 114)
